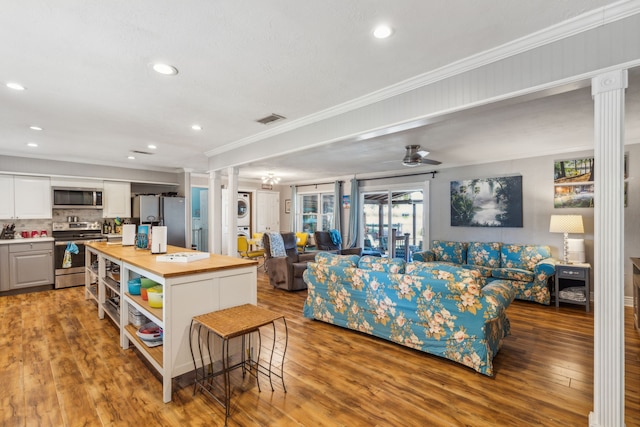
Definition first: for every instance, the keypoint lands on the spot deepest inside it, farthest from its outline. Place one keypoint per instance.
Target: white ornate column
(215, 212)
(232, 212)
(608, 387)
(188, 202)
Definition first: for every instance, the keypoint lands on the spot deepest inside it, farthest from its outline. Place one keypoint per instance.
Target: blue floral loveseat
(437, 308)
(527, 267)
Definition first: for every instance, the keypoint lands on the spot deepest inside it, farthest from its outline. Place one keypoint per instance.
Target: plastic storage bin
(155, 296)
(136, 318)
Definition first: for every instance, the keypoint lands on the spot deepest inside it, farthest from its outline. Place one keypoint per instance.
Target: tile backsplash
(84, 215)
(59, 215)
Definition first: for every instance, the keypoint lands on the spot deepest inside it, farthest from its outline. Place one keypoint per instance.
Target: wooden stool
(229, 323)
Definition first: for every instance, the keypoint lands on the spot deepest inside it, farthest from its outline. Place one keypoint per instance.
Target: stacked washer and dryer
(244, 215)
(243, 219)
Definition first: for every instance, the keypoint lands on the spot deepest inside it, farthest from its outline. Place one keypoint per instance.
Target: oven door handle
(77, 242)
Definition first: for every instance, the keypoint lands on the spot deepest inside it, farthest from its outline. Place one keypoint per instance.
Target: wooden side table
(240, 321)
(573, 275)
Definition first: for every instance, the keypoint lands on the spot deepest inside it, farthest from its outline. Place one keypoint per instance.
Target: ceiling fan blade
(429, 162)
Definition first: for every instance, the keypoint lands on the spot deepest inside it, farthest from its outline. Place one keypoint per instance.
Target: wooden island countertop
(146, 260)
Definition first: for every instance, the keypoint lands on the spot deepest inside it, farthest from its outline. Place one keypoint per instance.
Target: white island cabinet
(190, 289)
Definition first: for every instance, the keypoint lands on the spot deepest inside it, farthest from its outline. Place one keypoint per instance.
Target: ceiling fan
(416, 157)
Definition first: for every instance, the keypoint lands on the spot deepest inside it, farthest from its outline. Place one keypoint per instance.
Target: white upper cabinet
(6, 195)
(25, 197)
(32, 197)
(116, 198)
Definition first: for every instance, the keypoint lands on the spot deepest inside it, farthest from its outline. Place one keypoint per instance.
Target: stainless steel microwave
(78, 198)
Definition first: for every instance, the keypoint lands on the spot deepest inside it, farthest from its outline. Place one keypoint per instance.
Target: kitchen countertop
(27, 240)
(146, 260)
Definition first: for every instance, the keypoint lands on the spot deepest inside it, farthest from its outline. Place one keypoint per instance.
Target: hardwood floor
(61, 365)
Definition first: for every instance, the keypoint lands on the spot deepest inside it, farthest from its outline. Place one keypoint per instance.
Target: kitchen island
(190, 289)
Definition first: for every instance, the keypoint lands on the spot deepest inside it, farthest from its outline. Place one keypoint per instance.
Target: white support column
(187, 208)
(232, 212)
(608, 388)
(215, 212)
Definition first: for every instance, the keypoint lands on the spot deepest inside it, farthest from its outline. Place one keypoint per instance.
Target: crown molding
(581, 23)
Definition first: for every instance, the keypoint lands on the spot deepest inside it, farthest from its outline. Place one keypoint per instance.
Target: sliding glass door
(393, 221)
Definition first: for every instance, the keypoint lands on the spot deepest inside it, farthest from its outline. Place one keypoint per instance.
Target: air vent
(142, 152)
(270, 119)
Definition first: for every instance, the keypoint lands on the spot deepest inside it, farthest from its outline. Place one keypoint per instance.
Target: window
(316, 212)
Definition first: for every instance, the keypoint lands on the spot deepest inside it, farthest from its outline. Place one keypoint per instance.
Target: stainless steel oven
(78, 233)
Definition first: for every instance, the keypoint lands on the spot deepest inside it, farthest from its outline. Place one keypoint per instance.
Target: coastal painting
(487, 202)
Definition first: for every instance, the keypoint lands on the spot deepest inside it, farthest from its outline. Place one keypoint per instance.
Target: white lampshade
(566, 224)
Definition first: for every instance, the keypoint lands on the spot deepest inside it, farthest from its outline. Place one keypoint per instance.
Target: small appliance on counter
(159, 239)
(128, 234)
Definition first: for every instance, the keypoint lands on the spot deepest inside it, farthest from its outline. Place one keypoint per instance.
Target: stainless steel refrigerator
(173, 216)
(168, 211)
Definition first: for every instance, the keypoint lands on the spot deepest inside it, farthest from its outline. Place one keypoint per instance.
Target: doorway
(393, 222)
(200, 218)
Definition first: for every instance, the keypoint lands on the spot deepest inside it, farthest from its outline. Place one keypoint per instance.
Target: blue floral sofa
(437, 308)
(527, 267)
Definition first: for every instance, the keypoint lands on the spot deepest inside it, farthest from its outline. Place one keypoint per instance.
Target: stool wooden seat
(240, 321)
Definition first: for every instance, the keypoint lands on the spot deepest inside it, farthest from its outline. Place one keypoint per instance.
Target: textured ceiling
(86, 66)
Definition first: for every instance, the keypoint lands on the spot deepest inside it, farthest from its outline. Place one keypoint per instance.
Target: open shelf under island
(189, 289)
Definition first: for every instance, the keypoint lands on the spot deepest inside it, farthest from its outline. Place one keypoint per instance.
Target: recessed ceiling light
(196, 127)
(151, 146)
(165, 69)
(382, 31)
(35, 128)
(131, 158)
(15, 86)
(32, 144)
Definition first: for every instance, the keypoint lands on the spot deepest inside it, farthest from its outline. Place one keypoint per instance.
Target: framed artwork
(487, 202)
(287, 206)
(573, 182)
(345, 201)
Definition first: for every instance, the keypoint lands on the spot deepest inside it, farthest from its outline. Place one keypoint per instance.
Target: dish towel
(336, 239)
(276, 245)
(71, 248)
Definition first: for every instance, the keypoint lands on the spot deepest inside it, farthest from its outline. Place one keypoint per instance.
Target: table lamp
(566, 224)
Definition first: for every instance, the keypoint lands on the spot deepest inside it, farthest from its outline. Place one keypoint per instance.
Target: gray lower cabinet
(4, 267)
(30, 264)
